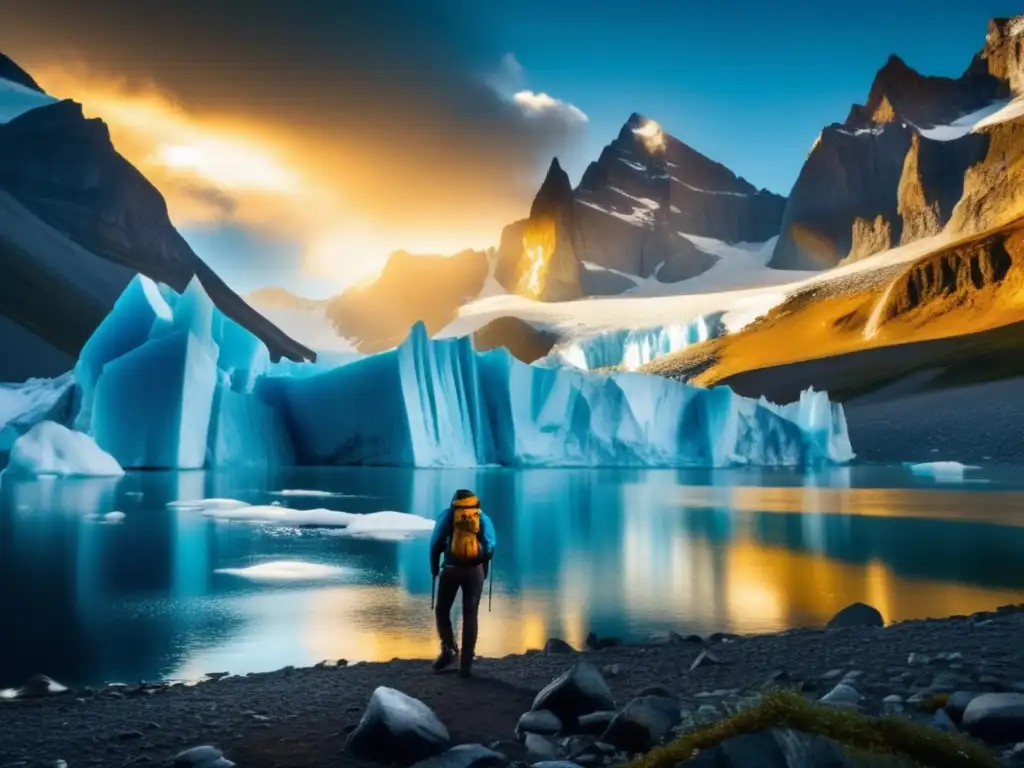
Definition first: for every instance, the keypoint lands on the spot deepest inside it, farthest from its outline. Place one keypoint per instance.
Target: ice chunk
(441, 404)
(387, 526)
(286, 570)
(282, 515)
(22, 406)
(314, 493)
(207, 504)
(943, 471)
(111, 518)
(245, 431)
(53, 449)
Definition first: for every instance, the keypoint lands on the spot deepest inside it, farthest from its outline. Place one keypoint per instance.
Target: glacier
(631, 349)
(167, 381)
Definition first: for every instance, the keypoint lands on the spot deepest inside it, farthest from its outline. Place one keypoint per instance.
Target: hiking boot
(465, 666)
(446, 658)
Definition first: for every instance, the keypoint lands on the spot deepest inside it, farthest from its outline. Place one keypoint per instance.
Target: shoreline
(302, 716)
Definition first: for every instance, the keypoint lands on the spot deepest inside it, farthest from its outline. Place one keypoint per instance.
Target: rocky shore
(596, 707)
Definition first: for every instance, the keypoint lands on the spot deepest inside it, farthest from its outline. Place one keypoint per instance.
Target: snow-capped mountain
(920, 155)
(77, 222)
(631, 215)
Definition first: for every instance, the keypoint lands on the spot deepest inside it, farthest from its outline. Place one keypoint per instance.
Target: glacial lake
(165, 592)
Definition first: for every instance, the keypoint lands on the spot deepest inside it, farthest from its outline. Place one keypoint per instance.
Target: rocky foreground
(600, 707)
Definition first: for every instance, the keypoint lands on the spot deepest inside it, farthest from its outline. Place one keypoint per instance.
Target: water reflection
(623, 553)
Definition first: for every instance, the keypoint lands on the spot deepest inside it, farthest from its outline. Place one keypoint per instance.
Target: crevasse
(167, 381)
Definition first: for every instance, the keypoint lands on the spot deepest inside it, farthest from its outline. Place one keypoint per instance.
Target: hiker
(464, 539)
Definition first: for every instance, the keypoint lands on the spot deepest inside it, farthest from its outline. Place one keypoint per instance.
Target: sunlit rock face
(537, 257)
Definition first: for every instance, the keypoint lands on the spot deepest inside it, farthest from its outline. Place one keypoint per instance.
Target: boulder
(596, 722)
(540, 721)
(842, 695)
(38, 686)
(643, 723)
(579, 691)
(957, 705)
(540, 748)
(997, 718)
(197, 756)
(857, 615)
(558, 645)
(465, 756)
(773, 749)
(595, 643)
(397, 728)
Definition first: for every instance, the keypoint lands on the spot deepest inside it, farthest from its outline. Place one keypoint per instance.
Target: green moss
(891, 737)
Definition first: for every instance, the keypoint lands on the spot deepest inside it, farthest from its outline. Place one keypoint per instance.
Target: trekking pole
(490, 588)
(433, 585)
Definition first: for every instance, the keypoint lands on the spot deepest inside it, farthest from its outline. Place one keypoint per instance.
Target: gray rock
(397, 728)
(38, 686)
(918, 659)
(579, 691)
(947, 682)
(643, 723)
(842, 695)
(892, 704)
(465, 756)
(595, 643)
(857, 615)
(612, 670)
(832, 674)
(596, 722)
(542, 748)
(656, 690)
(705, 657)
(197, 756)
(957, 704)
(942, 722)
(997, 718)
(540, 721)
(772, 749)
(558, 645)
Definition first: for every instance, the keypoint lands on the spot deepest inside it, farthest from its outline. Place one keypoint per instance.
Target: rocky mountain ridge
(72, 187)
(631, 210)
(920, 155)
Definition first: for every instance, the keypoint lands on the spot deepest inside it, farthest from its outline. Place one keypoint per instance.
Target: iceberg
(167, 381)
(631, 349)
(53, 449)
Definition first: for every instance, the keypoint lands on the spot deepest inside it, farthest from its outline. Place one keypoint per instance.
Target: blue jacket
(442, 534)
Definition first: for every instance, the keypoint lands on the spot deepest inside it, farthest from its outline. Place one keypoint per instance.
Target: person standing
(461, 548)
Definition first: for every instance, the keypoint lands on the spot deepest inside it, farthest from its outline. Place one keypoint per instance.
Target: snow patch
(633, 164)
(286, 570)
(709, 191)
(641, 216)
(53, 449)
(997, 112)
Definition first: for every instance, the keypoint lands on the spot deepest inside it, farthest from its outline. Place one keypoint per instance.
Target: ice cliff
(632, 348)
(167, 381)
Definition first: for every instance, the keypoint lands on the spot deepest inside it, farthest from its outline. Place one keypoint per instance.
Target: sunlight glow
(652, 136)
(539, 239)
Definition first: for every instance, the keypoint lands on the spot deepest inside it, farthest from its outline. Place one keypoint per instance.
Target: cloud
(353, 129)
(541, 105)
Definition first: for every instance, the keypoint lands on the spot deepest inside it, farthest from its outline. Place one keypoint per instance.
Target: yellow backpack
(465, 543)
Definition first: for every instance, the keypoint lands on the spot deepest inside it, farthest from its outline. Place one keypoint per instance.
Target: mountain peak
(555, 194)
(9, 70)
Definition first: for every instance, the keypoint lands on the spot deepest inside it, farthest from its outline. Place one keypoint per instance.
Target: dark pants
(470, 579)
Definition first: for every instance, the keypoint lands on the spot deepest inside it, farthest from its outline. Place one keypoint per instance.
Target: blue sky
(747, 82)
